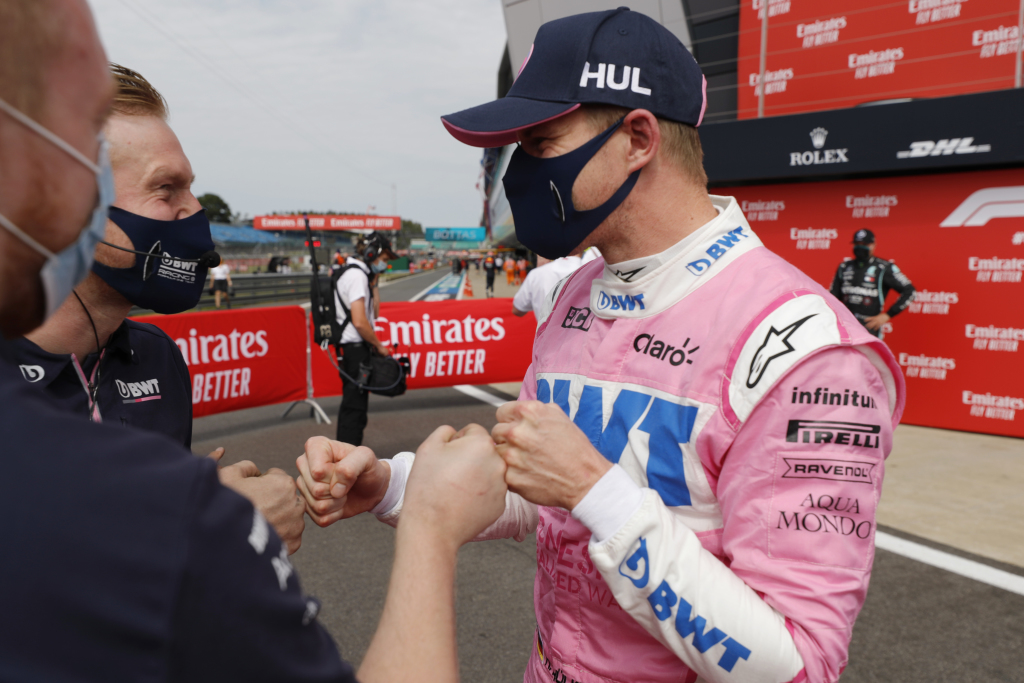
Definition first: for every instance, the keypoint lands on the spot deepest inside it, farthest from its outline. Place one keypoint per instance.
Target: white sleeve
(660, 573)
(523, 300)
(518, 519)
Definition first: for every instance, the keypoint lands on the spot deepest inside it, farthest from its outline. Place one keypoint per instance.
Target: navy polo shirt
(126, 560)
(143, 380)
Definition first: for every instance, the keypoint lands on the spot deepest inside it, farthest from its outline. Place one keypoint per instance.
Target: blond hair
(29, 40)
(680, 142)
(135, 95)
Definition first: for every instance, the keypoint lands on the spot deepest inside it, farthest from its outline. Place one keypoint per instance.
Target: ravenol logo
(716, 250)
(617, 302)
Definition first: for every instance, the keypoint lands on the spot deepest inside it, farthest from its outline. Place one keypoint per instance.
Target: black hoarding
(965, 131)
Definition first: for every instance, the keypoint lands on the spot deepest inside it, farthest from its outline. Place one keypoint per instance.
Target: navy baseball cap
(616, 57)
(864, 235)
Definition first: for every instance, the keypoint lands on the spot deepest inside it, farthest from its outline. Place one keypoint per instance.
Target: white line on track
(480, 395)
(429, 287)
(951, 563)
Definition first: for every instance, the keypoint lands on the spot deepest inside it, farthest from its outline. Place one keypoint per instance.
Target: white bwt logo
(33, 373)
(137, 389)
(986, 204)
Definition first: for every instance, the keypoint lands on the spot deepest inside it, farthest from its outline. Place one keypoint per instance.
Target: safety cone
(467, 291)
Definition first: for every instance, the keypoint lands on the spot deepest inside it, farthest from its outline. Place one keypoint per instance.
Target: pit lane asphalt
(920, 624)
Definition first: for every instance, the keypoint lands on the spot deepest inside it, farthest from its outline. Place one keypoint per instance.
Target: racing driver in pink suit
(701, 438)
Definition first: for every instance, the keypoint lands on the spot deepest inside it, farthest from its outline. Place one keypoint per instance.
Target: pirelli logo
(831, 432)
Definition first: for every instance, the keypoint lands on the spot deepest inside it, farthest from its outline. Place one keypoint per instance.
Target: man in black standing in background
(863, 282)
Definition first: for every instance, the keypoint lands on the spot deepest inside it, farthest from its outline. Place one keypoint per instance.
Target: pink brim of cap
(497, 138)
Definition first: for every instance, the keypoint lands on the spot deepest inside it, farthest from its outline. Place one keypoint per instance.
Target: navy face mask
(540, 194)
(168, 277)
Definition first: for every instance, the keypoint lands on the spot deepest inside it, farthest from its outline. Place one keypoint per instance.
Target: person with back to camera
(356, 300)
(139, 564)
(89, 357)
(863, 282)
(665, 445)
(538, 284)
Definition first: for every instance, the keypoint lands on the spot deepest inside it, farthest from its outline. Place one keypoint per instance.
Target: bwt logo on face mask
(176, 269)
(609, 70)
(619, 302)
(716, 251)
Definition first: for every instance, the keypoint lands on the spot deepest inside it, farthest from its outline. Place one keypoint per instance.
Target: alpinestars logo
(819, 156)
(944, 147)
(775, 344)
(628, 275)
(985, 204)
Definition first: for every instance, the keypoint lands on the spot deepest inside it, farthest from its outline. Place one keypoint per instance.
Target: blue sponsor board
(456, 234)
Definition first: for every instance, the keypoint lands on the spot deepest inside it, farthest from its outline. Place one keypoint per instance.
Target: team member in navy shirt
(126, 558)
(141, 382)
(93, 360)
(88, 355)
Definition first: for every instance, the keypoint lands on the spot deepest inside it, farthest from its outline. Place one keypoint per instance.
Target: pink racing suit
(749, 416)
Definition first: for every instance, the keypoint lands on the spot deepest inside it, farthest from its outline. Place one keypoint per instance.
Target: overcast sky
(319, 104)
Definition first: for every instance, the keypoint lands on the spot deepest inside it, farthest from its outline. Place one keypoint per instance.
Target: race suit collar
(634, 269)
(682, 269)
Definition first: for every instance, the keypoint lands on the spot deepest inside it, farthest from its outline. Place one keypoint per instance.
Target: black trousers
(490, 279)
(354, 401)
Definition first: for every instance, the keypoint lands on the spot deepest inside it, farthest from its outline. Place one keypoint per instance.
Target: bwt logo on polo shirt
(605, 75)
(619, 302)
(146, 390)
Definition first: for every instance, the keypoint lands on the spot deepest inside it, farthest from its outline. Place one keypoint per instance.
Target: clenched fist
(273, 494)
(338, 480)
(456, 488)
(550, 460)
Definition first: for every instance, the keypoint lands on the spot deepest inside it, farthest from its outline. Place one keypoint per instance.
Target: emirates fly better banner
(447, 343)
(829, 54)
(240, 359)
(959, 237)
